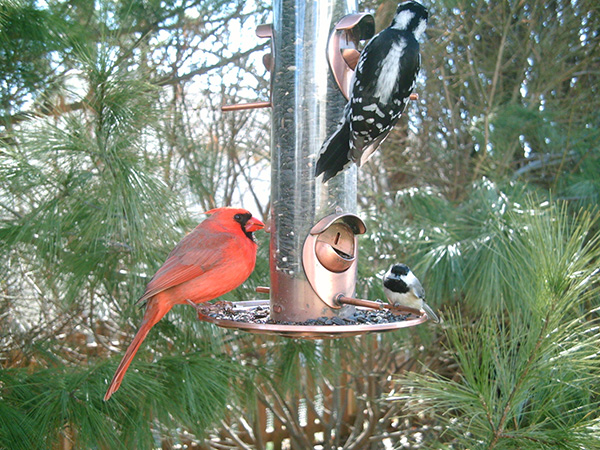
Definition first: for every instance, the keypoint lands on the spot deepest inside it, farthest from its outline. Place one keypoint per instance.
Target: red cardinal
(212, 260)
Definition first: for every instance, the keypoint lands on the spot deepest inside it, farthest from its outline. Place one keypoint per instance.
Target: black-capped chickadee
(402, 288)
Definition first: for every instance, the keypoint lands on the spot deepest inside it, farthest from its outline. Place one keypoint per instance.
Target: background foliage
(112, 141)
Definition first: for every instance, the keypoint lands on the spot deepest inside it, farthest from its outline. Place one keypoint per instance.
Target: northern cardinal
(215, 258)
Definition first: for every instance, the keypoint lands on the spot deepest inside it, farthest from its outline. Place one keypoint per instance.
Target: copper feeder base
(298, 331)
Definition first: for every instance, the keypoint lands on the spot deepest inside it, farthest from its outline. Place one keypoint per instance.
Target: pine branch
(498, 430)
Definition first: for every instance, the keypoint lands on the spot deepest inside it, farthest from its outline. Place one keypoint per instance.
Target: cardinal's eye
(237, 217)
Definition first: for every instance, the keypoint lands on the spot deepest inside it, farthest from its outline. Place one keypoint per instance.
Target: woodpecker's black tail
(334, 153)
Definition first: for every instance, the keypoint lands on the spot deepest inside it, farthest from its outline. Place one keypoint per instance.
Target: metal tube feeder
(313, 226)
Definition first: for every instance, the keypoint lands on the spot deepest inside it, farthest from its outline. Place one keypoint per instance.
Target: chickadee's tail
(334, 153)
(433, 316)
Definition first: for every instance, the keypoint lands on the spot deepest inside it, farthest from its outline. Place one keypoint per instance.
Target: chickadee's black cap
(399, 269)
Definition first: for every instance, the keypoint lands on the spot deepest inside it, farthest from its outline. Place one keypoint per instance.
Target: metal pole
(306, 107)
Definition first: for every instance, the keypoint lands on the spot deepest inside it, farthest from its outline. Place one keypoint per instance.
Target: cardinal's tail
(334, 153)
(154, 312)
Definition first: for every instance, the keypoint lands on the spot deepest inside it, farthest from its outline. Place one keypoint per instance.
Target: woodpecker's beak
(253, 224)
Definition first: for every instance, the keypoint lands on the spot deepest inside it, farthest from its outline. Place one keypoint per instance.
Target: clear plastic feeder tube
(307, 106)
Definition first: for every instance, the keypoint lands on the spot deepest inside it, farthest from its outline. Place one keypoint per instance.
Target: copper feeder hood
(313, 226)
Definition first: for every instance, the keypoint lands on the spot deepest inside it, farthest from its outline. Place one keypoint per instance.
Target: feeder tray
(254, 317)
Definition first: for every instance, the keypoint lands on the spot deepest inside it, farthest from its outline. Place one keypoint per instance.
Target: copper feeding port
(335, 248)
(329, 256)
(342, 48)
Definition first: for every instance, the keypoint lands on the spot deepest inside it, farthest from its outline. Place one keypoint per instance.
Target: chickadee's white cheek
(410, 279)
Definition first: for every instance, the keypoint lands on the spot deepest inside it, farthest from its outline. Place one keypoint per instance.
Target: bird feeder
(314, 229)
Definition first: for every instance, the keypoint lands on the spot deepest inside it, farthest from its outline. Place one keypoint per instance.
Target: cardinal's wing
(197, 253)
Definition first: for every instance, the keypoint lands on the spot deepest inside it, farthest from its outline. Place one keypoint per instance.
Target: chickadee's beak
(253, 224)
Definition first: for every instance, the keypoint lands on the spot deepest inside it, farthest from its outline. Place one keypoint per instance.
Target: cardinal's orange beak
(253, 224)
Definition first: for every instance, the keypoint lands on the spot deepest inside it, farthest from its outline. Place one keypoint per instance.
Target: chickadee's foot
(407, 309)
